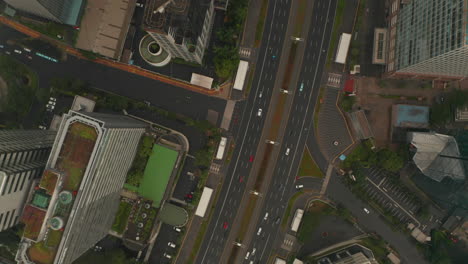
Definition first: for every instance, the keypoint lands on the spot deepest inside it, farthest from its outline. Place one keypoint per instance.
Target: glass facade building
(429, 38)
(23, 155)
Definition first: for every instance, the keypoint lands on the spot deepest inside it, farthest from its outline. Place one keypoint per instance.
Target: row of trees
(226, 54)
(136, 172)
(364, 155)
(22, 87)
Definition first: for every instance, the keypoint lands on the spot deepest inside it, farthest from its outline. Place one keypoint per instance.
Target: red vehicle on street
(251, 158)
(225, 225)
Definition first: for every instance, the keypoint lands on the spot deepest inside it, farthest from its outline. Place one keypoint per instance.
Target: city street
(251, 127)
(372, 222)
(166, 96)
(298, 128)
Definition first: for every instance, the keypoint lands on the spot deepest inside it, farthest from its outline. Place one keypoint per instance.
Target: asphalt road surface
(371, 222)
(297, 130)
(174, 99)
(251, 126)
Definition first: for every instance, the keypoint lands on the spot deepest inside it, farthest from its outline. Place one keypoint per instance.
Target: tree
(389, 160)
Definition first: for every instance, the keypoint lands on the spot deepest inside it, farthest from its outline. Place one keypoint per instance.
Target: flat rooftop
(74, 154)
(410, 116)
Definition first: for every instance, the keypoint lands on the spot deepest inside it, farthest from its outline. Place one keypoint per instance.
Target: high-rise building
(74, 205)
(23, 155)
(428, 39)
(180, 27)
(61, 11)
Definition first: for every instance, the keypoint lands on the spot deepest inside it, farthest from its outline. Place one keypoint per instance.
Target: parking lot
(399, 202)
(162, 252)
(391, 197)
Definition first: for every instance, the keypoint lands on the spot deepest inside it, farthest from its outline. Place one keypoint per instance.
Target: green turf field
(157, 172)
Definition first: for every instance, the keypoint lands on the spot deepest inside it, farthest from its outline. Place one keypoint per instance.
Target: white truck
(296, 222)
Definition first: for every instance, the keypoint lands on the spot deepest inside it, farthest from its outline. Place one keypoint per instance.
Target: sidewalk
(110, 63)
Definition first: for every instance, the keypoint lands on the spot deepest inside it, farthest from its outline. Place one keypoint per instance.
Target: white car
(247, 255)
(265, 217)
(167, 256)
(139, 5)
(298, 187)
(18, 51)
(53, 99)
(259, 231)
(259, 113)
(260, 95)
(287, 151)
(253, 251)
(177, 229)
(366, 210)
(172, 245)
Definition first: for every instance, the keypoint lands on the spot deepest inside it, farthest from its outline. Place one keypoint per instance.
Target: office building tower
(428, 39)
(182, 28)
(75, 203)
(61, 11)
(23, 155)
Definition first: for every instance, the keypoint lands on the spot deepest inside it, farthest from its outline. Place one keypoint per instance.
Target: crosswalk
(334, 80)
(244, 52)
(214, 168)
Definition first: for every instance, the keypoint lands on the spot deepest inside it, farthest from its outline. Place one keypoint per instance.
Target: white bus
(204, 202)
(297, 220)
(343, 47)
(241, 74)
(221, 148)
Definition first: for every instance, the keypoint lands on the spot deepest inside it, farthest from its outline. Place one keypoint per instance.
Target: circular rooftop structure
(65, 197)
(56, 223)
(153, 53)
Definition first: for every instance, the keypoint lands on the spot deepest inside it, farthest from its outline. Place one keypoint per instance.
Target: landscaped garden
(75, 154)
(121, 218)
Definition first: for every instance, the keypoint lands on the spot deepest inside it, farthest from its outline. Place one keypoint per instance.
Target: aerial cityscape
(233, 131)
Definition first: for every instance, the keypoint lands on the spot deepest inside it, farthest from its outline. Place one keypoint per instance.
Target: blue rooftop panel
(412, 114)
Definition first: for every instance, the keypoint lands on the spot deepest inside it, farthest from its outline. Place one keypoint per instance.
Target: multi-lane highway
(297, 130)
(251, 129)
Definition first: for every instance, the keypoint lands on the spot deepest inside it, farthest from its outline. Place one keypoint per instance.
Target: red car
(225, 225)
(251, 158)
(241, 178)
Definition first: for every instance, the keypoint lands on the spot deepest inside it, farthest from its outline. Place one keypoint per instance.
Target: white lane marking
(309, 97)
(266, 244)
(243, 140)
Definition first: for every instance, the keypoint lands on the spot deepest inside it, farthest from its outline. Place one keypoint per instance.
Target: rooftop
(183, 18)
(74, 154)
(437, 156)
(410, 116)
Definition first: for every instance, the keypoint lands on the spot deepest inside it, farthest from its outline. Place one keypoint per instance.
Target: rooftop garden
(135, 175)
(121, 218)
(32, 218)
(39, 253)
(75, 154)
(48, 181)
